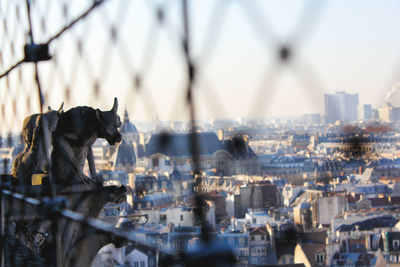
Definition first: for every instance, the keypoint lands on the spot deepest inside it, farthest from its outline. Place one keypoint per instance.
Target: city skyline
(348, 47)
(200, 132)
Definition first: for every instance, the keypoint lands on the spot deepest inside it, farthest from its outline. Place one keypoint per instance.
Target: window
(154, 162)
(242, 241)
(181, 217)
(142, 264)
(283, 260)
(319, 258)
(396, 244)
(241, 253)
(136, 264)
(255, 260)
(394, 258)
(262, 237)
(163, 218)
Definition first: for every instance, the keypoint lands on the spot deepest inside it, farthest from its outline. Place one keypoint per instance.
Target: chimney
(385, 241)
(135, 150)
(368, 241)
(271, 233)
(142, 141)
(221, 134)
(132, 179)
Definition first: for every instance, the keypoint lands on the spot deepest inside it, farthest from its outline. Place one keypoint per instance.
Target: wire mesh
(148, 54)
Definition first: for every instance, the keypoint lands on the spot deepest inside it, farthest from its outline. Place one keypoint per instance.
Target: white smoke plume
(393, 96)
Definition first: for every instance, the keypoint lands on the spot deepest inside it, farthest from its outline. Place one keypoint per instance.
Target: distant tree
(350, 129)
(378, 128)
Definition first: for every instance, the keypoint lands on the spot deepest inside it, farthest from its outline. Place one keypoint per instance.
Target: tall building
(312, 119)
(364, 112)
(375, 114)
(341, 106)
(389, 113)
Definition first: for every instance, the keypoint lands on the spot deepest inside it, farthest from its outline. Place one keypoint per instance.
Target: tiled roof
(310, 250)
(378, 202)
(179, 144)
(380, 222)
(238, 147)
(315, 236)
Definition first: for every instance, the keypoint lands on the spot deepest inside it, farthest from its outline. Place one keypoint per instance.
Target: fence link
(157, 58)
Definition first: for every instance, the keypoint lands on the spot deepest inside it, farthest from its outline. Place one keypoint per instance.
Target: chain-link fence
(157, 58)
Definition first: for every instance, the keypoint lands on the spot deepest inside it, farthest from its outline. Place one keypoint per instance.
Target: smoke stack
(393, 96)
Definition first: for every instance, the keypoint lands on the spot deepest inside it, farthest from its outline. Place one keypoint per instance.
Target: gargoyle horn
(61, 107)
(115, 106)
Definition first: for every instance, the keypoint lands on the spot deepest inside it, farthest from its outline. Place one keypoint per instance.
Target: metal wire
(138, 75)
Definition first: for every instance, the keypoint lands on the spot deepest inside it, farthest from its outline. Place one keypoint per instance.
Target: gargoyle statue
(36, 130)
(76, 131)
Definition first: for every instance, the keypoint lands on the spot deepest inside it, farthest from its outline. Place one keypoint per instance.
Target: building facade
(340, 106)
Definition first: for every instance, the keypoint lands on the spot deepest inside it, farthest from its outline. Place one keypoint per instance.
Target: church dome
(125, 155)
(127, 126)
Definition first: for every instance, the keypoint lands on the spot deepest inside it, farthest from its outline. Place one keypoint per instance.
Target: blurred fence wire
(87, 52)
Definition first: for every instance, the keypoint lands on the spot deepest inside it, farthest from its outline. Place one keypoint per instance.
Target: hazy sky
(339, 45)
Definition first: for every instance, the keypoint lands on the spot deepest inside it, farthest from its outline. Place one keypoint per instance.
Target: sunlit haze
(334, 46)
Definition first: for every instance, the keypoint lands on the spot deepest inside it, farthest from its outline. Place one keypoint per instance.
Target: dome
(127, 127)
(125, 154)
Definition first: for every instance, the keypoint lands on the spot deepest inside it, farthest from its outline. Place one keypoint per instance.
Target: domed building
(128, 130)
(125, 157)
(126, 154)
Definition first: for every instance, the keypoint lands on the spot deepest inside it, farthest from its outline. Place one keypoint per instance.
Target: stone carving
(79, 243)
(76, 131)
(36, 132)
